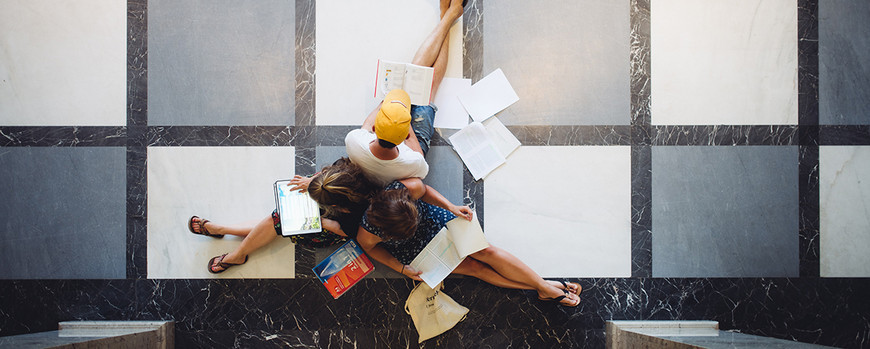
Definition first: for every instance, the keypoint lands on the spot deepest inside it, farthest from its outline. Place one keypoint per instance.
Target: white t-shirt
(408, 164)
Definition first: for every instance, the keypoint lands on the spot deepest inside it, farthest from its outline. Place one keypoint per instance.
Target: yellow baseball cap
(394, 118)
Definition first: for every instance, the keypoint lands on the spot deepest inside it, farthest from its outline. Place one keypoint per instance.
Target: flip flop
(560, 298)
(576, 291)
(202, 229)
(220, 263)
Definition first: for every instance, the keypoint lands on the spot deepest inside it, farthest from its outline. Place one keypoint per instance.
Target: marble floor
(681, 160)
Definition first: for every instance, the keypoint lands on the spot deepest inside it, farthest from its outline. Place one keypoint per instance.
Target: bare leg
(214, 228)
(480, 270)
(510, 267)
(262, 234)
(433, 51)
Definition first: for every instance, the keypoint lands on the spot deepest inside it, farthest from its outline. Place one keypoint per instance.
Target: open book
(343, 268)
(299, 213)
(484, 146)
(448, 248)
(414, 79)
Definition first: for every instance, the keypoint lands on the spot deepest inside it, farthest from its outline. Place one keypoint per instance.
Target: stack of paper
(485, 144)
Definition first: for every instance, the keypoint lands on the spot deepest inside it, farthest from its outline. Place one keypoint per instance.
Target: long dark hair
(341, 185)
(395, 213)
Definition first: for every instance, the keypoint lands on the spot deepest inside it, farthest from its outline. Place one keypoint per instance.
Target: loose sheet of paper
(489, 96)
(448, 249)
(451, 113)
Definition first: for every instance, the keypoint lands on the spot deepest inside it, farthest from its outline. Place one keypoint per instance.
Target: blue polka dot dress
(430, 218)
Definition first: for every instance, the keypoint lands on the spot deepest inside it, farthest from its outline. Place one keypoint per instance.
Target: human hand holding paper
(448, 249)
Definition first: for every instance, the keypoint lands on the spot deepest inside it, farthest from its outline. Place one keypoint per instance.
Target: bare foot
(567, 286)
(552, 293)
(235, 258)
(455, 9)
(199, 226)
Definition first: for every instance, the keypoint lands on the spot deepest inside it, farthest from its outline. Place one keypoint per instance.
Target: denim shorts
(422, 122)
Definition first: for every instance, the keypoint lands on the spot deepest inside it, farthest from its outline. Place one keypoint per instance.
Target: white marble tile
(844, 211)
(63, 63)
(565, 211)
(231, 185)
(352, 35)
(723, 62)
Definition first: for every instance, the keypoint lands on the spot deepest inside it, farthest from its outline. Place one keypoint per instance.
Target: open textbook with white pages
(484, 146)
(414, 79)
(448, 249)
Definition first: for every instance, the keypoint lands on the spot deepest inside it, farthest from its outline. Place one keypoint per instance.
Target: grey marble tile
(568, 61)
(844, 50)
(725, 211)
(221, 63)
(63, 213)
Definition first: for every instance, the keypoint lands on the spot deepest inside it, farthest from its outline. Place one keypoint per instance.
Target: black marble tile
(808, 63)
(305, 63)
(137, 204)
(844, 135)
(472, 41)
(725, 135)
(572, 135)
(239, 313)
(137, 121)
(473, 191)
(809, 221)
(137, 62)
(640, 63)
(62, 136)
(641, 211)
(213, 136)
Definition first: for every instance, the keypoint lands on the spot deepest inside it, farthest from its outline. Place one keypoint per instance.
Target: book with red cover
(343, 268)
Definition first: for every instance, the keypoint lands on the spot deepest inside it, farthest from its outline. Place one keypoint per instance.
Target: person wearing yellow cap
(394, 138)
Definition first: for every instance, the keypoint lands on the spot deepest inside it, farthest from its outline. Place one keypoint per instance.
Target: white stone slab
(352, 35)
(227, 185)
(844, 211)
(564, 210)
(63, 63)
(723, 62)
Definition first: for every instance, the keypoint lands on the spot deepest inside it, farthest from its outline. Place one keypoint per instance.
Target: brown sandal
(220, 263)
(202, 229)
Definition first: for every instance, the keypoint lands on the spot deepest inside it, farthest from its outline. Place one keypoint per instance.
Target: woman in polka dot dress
(408, 214)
